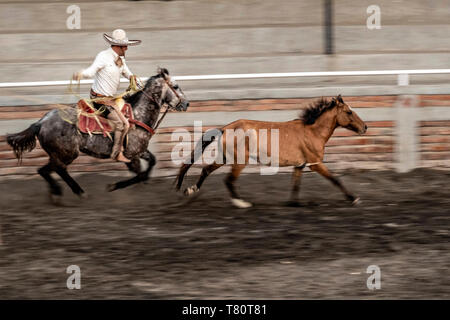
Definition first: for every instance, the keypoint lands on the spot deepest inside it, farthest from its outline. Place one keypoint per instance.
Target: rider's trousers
(121, 129)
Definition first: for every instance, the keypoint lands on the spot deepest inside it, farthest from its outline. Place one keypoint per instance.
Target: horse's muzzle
(182, 106)
(364, 129)
(358, 130)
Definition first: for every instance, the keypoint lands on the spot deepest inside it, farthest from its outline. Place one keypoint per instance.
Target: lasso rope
(132, 88)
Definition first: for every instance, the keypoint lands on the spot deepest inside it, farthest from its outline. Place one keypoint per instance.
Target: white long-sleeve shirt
(106, 73)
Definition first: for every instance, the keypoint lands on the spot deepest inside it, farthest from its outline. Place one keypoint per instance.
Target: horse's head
(171, 93)
(347, 118)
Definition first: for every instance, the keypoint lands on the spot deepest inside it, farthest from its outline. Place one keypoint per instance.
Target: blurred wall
(220, 36)
(377, 149)
(239, 36)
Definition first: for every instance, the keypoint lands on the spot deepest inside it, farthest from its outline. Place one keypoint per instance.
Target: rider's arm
(98, 64)
(126, 72)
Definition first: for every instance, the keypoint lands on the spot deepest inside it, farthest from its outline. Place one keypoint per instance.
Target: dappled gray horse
(63, 142)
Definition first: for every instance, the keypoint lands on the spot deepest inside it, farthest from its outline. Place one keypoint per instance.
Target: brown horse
(301, 143)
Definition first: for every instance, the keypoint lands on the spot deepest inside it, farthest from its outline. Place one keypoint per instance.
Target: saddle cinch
(90, 120)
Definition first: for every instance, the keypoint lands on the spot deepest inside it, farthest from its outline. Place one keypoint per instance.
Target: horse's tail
(203, 144)
(24, 141)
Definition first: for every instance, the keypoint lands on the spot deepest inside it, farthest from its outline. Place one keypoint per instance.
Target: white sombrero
(119, 38)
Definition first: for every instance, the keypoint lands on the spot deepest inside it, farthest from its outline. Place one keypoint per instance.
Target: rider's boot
(121, 157)
(117, 153)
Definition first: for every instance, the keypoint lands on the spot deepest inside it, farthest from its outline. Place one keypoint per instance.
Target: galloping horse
(301, 143)
(63, 142)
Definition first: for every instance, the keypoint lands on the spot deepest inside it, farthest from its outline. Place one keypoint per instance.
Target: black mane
(162, 72)
(135, 96)
(316, 109)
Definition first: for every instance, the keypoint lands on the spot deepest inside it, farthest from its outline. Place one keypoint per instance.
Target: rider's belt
(97, 106)
(95, 94)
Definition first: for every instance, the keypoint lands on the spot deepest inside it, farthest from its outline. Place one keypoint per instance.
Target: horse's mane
(132, 99)
(316, 109)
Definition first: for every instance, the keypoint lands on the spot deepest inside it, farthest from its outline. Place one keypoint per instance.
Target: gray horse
(63, 142)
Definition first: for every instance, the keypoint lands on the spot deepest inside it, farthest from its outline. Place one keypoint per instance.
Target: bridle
(158, 104)
(154, 100)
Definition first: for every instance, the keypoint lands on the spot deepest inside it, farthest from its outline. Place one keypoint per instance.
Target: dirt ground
(148, 242)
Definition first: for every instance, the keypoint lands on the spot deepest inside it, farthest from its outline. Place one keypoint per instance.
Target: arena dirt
(147, 242)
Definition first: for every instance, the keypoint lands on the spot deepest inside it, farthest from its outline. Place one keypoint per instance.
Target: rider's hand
(77, 76)
(130, 87)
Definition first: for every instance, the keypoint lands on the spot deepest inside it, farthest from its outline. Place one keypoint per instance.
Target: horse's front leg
(296, 178)
(151, 161)
(323, 170)
(135, 166)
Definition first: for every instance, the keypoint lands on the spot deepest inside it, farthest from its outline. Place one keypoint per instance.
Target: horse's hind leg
(236, 170)
(206, 171)
(55, 188)
(323, 170)
(62, 172)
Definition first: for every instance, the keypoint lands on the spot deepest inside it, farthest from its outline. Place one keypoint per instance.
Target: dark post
(329, 47)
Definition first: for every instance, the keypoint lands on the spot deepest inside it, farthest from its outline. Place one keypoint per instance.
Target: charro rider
(106, 70)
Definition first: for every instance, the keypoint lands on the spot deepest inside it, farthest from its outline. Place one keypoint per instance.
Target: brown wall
(374, 150)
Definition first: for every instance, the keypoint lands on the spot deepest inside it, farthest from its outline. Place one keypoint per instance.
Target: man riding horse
(106, 70)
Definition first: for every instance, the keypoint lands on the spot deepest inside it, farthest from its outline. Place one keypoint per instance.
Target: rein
(143, 125)
(146, 127)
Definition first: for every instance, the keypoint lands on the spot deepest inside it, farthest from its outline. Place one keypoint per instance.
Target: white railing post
(407, 144)
(403, 79)
(407, 135)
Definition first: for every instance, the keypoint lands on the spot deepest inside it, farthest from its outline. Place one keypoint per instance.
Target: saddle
(90, 120)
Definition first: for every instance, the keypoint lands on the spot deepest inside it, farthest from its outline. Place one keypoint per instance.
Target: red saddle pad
(89, 122)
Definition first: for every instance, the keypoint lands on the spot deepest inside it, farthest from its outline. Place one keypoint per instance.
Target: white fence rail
(403, 76)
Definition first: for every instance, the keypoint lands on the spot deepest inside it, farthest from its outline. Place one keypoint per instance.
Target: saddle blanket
(90, 121)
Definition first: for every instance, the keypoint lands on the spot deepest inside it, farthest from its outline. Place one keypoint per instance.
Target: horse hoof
(293, 203)
(356, 201)
(110, 187)
(83, 195)
(239, 203)
(191, 190)
(56, 199)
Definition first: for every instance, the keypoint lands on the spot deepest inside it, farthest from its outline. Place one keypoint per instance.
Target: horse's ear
(163, 72)
(339, 99)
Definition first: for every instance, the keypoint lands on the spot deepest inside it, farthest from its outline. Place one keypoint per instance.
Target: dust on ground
(148, 242)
